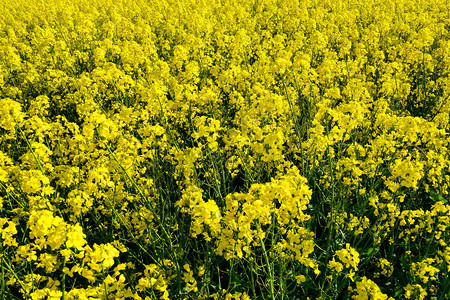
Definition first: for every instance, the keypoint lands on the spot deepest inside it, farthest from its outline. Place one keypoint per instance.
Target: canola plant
(224, 149)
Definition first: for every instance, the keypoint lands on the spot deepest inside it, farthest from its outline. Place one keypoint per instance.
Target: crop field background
(224, 149)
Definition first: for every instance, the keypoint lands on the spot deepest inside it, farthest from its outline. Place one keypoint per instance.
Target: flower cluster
(224, 149)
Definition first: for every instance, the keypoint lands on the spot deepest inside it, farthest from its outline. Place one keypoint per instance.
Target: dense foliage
(194, 149)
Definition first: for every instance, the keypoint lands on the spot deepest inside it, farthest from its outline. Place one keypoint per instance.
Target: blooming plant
(231, 149)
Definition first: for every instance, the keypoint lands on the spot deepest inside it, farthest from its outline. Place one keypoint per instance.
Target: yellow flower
(47, 261)
(7, 232)
(75, 237)
(415, 291)
(367, 289)
(425, 270)
(300, 278)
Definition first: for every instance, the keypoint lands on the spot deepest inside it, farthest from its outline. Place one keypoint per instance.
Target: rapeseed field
(224, 149)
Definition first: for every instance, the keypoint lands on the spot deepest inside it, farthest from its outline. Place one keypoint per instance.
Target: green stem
(133, 182)
(296, 126)
(269, 267)
(15, 276)
(63, 283)
(3, 272)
